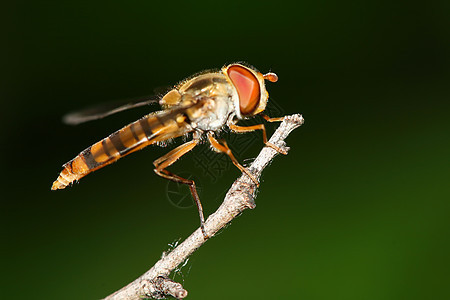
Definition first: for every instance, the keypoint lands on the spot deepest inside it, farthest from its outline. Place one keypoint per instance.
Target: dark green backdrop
(359, 209)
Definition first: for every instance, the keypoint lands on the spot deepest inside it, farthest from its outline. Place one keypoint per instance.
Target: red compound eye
(247, 86)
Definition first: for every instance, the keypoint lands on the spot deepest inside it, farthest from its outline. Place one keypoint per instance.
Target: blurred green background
(359, 209)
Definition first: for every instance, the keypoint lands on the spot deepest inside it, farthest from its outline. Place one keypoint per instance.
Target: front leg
(269, 119)
(240, 129)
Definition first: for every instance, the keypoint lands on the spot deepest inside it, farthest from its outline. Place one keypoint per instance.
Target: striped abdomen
(135, 136)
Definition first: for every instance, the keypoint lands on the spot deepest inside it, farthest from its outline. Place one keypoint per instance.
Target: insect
(199, 106)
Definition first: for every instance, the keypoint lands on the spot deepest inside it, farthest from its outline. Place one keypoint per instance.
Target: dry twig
(155, 282)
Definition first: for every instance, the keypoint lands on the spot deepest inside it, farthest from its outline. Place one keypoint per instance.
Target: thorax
(214, 95)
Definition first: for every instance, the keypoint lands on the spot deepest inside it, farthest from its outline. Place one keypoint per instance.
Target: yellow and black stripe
(135, 136)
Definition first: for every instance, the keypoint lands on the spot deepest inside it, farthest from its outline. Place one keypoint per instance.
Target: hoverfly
(201, 105)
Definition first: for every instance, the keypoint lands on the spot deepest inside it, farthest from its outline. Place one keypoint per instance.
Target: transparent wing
(106, 109)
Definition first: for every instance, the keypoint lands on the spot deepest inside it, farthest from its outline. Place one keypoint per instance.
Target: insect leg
(239, 129)
(168, 159)
(269, 119)
(173, 155)
(225, 149)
